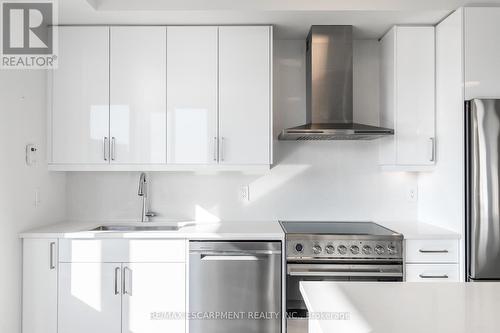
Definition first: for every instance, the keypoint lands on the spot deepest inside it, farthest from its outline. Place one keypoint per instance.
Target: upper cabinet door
(192, 95)
(138, 95)
(245, 55)
(482, 52)
(415, 95)
(408, 97)
(79, 122)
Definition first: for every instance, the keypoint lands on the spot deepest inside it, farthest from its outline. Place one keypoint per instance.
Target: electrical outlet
(37, 197)
(413, 194)
(245, 193)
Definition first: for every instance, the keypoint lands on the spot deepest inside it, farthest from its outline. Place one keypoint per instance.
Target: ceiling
(292, 18)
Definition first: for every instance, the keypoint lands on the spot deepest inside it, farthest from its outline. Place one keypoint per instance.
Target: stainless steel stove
(341, 241)
(337, 251)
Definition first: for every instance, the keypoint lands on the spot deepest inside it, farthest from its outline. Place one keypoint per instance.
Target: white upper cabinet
(138, 95)
(245, 94)
(79, 117)
(482, 52)
(154, 98)
(192, 95)
(408, 97)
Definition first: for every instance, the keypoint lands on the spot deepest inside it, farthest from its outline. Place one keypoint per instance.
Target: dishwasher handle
(230, 258)
(236, 255)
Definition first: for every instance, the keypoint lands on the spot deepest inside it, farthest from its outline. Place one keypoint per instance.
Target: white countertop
(395, 307)
(220, 230)
(191, 230)
(419, 230)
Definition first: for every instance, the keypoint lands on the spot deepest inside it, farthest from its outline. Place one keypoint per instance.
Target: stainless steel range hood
(329, 86)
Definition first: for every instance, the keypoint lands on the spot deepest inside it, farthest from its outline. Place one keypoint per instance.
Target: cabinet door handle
(432, 156)
(117, 289)
(425, 276)
(127, 280)
(433, 251)
(52, 253)
(215, 148)
(105, 147)
(222, 148)
(113, 148)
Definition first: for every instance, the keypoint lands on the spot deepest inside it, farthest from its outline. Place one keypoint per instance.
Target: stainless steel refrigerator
(482, 165)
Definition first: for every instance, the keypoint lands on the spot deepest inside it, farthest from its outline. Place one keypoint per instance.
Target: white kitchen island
(362, 307)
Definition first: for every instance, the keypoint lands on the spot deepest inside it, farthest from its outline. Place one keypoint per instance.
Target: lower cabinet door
(89, 298)
(154, 298)
(39, 285)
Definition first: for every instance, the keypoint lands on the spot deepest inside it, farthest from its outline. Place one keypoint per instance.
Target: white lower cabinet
(121, 297)
(88, 300)
(432, 273)
(39, 286)
(153, 298)
(133, 286)
(432, 260)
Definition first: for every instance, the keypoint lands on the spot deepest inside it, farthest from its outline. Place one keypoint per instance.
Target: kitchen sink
(125, 228)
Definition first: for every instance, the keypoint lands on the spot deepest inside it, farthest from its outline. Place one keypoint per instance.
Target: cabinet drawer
(122, 250)
(432, 251)
(432, 273)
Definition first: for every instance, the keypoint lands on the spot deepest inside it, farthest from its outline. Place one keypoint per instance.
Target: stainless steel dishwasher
(234, 287)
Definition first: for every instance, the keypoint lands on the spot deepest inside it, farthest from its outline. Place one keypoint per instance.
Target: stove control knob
(367, 249)
(392, 249)
(354, 249)
(329, 249)
(342, 249)
(299, 247)
(379, 249)
(317, 249)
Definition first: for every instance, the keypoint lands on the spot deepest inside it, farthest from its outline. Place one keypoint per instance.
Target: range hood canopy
(329, 89)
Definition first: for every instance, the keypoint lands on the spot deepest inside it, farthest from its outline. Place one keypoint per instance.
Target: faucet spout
(143, 193)
(142, 185)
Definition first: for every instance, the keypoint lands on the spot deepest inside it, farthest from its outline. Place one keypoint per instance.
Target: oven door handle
(343, 273)
(345, 270)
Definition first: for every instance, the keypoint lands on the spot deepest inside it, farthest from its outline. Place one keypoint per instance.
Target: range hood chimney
(329, 85)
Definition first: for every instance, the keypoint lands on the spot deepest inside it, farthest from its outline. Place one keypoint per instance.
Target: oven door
(296, 272)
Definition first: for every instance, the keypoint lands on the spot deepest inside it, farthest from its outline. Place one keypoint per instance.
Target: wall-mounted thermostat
(31, 154)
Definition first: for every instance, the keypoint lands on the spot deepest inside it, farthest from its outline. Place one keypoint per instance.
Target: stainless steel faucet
(143, 192)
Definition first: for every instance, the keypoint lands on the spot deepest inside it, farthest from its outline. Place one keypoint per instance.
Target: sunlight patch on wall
(203, 215)
(278, 177)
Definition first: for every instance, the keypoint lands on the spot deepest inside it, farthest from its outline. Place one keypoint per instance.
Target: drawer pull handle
(433, 251)
(424, 276)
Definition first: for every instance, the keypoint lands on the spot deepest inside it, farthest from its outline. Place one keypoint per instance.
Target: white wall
(22, 121)
(310, 180)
